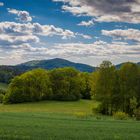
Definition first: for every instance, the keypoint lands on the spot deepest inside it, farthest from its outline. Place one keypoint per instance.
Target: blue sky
(81, 31)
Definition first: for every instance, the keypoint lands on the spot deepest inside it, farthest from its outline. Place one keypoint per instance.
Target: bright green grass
(3, 86)
(52, 107)
(52, 120)
(47, 126)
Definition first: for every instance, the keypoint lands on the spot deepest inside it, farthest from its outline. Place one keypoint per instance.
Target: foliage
(1, 98)
(105, 86)
(58, 84)
(117, 90)
(85, 85)
(137, 114)
(3, 86)
(81, 115)
(3, 92)
(7, 73)
(32, 86)
(65, 84)
(129, 80)
(120, 115)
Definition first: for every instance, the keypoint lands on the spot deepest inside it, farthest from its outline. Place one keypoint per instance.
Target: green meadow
(54, 120)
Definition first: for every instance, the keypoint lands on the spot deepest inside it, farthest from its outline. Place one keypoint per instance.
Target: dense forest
(8, 72)
(115, 89)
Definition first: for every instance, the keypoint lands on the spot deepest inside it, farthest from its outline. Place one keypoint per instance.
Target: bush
(99, 109)
(80, 115)
(120, 115)
(137, 114)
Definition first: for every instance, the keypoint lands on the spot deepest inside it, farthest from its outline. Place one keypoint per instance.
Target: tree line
(115, 89)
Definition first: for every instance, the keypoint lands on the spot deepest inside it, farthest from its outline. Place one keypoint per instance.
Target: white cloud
(22, 40)
(129, 34)
(97, 49)
(105, 10)
(6, 40)
(23, 16)
(86, 23)
(1, 4)
(100, 50)
(84, 36)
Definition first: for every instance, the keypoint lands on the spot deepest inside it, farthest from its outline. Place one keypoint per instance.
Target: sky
(85, 31)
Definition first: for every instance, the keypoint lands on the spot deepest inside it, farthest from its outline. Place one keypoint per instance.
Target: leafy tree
(85, 85)
(129, 85)
(105, 86)
(65, 84)
(31, 86)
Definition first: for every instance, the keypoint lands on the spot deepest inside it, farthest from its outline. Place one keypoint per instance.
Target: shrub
(80, 115)
(120, 115)
(98, 110)
(137, 114)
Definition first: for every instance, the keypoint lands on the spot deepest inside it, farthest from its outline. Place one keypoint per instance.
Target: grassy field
(51, 120)
(3, 86)
(52, 107)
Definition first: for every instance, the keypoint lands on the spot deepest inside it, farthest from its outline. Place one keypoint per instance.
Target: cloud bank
(105, 10)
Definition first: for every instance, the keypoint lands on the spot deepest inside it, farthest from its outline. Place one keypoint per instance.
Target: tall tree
(129, 85)
(105, 86)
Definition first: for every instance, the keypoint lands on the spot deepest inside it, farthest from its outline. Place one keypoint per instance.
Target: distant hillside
(8, 72)
(56, 63)
(119, 65)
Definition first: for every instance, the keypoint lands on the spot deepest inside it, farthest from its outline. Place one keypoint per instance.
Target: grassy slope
(56, 121)
(51, 107)
(3, 86)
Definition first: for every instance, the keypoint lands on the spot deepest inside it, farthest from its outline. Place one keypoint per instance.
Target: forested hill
(8, 72)
(57, 63)
(119, 65)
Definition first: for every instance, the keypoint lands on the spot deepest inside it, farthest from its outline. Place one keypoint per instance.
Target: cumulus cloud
(105, 10)
(23, 16)
(99, 48)
(129, 34)
(23, 36)
(1, 4)
(86, 23)
(83, 36)
(17, 40)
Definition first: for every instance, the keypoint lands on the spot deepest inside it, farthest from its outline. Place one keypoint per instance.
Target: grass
(46, 126)
(52, 120)
(3, 86)
(52, 107)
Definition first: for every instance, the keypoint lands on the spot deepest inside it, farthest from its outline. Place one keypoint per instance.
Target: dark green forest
(117, 90)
